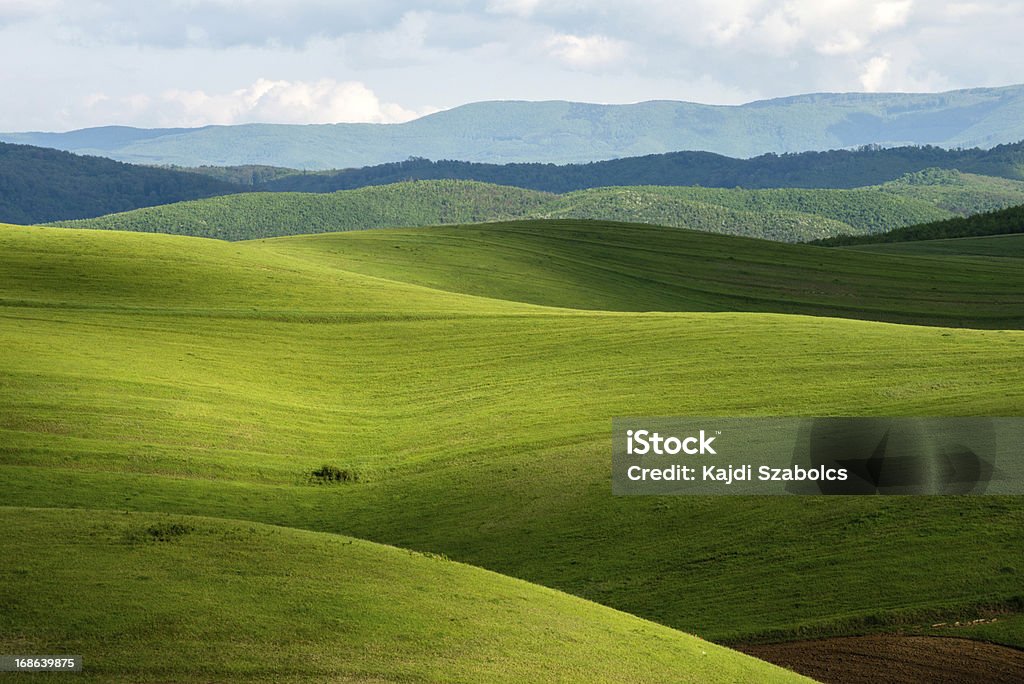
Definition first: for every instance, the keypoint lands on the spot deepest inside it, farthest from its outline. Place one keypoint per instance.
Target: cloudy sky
(76, 63)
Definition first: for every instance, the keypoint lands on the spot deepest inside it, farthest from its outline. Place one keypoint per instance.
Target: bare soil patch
(895, 659)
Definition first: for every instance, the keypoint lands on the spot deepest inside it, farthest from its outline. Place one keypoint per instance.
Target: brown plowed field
(897, 660)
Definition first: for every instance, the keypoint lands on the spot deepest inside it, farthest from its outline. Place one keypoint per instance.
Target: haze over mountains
(565, 132)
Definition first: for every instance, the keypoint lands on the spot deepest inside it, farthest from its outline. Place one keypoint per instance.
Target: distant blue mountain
(102, 138)
(567, 132)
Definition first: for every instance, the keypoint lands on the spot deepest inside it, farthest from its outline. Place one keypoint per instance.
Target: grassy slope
(781, 214)
(986, 247)
(483, 433)
(1003, 629)
(642, 268)
(169, 598)
(73, 268)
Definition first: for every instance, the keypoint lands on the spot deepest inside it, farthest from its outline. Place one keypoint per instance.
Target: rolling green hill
(176, 375)
(248, 602)
(621, 267)
(781, 214)
(986, 246)
(561, 132)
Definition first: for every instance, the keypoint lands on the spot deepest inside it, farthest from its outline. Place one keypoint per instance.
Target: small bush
(430, 554)
(159, 532)
(329, 474)
(168, 531)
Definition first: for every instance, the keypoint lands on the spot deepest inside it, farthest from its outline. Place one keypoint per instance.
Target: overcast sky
(76, 63)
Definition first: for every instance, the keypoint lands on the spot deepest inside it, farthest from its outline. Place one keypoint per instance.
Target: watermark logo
(844, 456)
(643, 442)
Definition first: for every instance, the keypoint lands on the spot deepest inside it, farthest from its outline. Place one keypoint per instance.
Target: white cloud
(890, 15)
(586, 52)
(843, 43)
(875, 72)
(962, 10)
(184, 61)
(519, 8)
(829, 27)
(211, 23)
(779, 31)
(266, 101)
(726, 31)
(23, 9)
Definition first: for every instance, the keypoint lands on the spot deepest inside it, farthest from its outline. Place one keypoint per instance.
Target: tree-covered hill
(39, 184)
(832, 169)
(268, 214)
(249, 175)
(960, 193)
(788, 215)
(1002, 222)
(777, 214)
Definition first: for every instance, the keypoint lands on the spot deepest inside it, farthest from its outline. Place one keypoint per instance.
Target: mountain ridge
(560, 131)
(829, 169)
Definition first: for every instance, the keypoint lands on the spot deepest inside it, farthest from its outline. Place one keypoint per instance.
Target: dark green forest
(39, 184)
(786, 214)
(1002, 222)
(870, 165)
(251, 175)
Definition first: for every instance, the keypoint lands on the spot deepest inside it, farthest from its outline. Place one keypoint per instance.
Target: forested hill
(1002, 222)
(833, 169)
(39, 184)
(785, 214)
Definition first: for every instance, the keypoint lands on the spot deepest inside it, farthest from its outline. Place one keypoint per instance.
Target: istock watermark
(845, 456)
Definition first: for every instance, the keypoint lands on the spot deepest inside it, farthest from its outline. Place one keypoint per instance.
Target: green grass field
(160, 598)
(622, 267)
(987, 247)
(180, 376)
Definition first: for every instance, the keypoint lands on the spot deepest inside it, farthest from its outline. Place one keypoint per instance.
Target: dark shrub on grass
(333, 474)
(160, 532)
